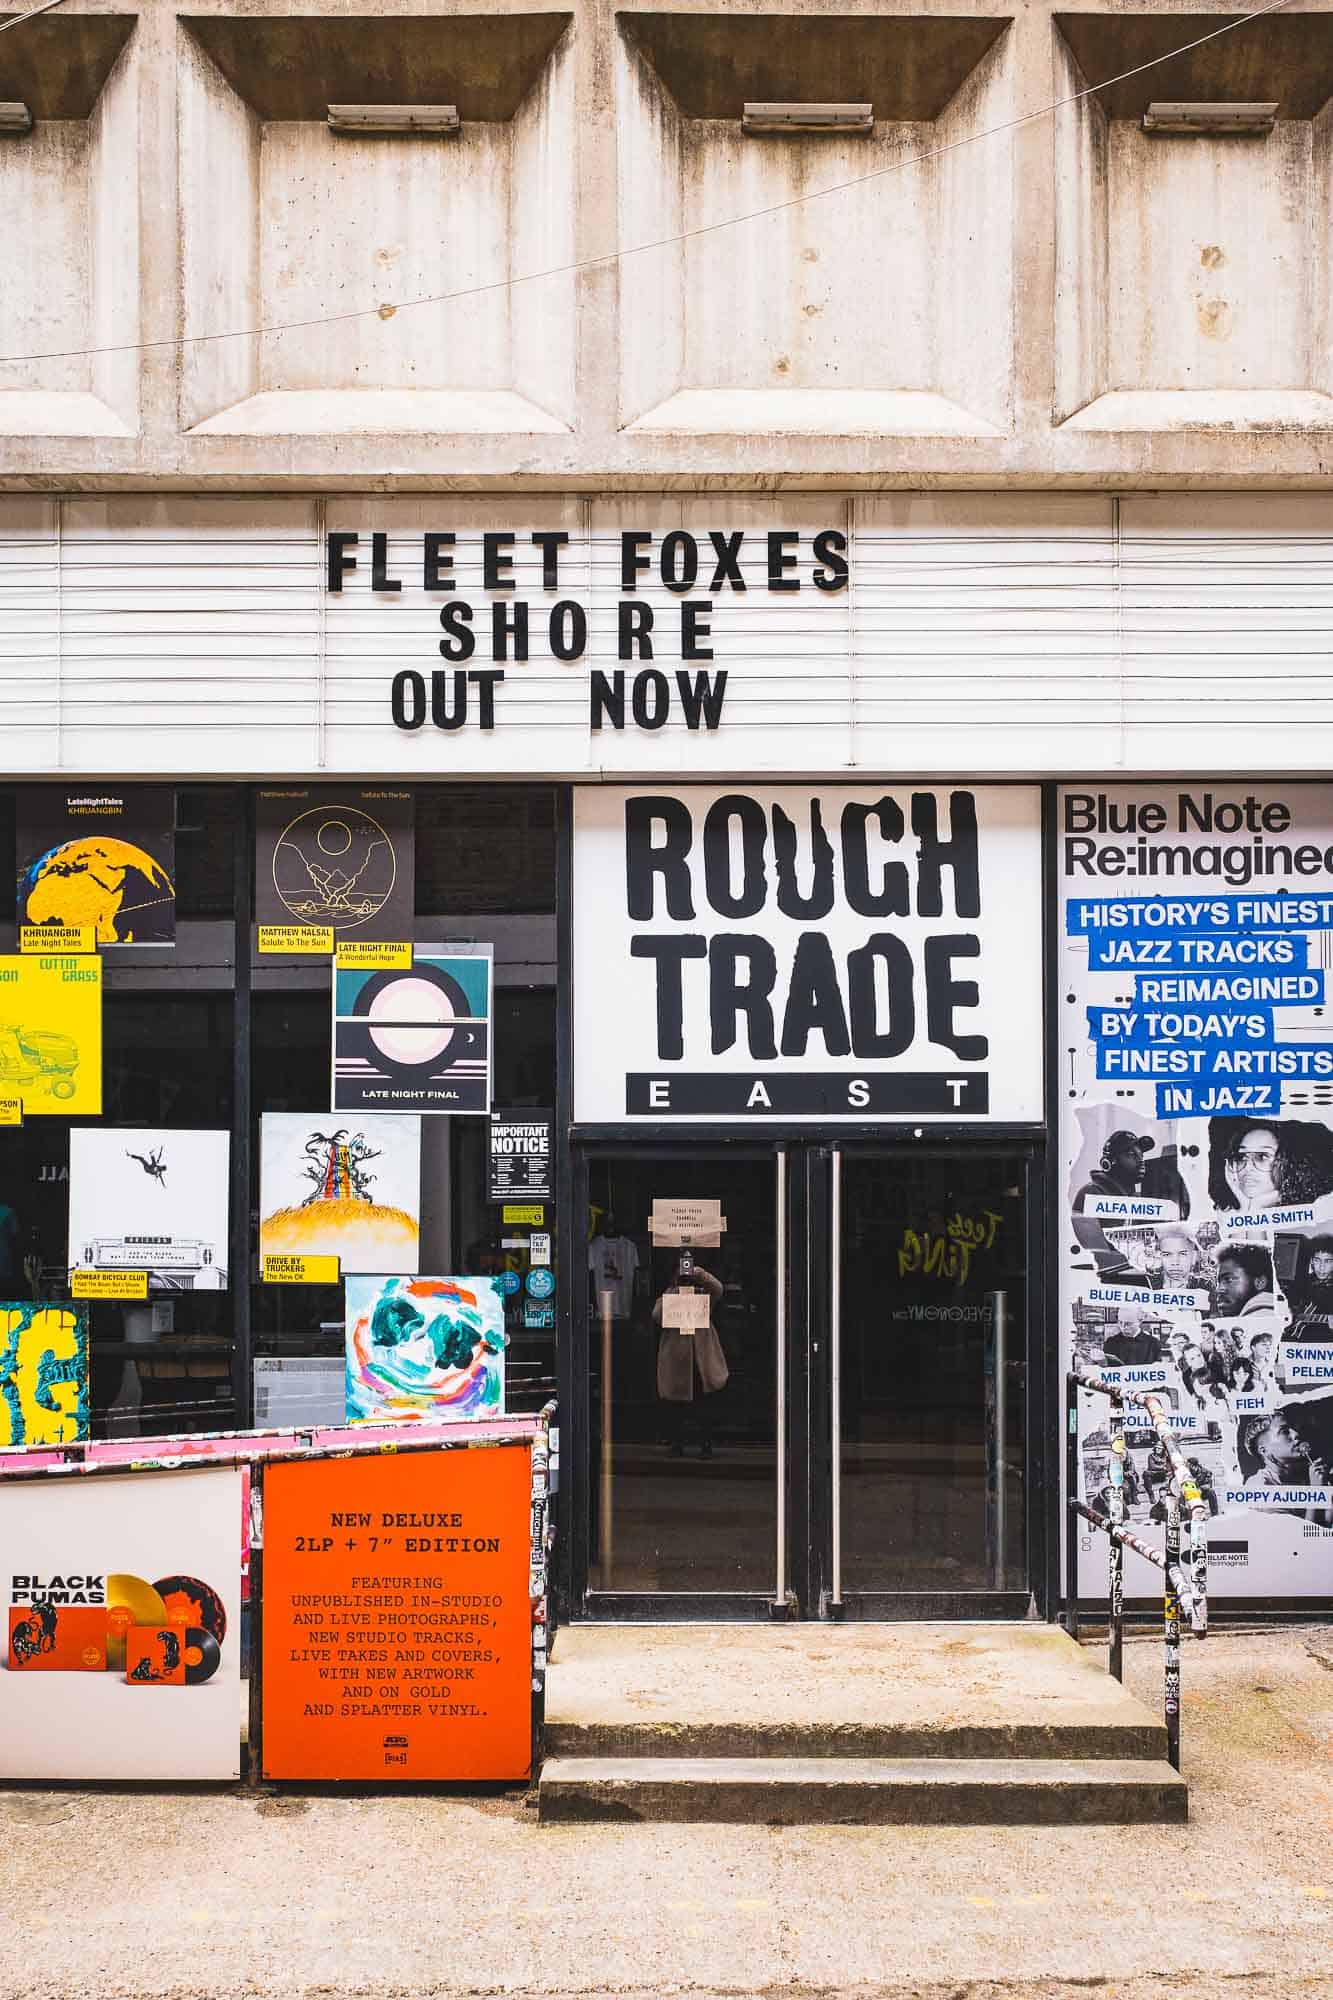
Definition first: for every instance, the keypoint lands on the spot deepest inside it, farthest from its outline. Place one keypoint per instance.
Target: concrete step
(856, 1690)
(864, 1791)
(1131, 1734)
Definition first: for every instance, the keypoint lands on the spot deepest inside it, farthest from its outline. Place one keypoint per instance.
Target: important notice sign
(520, 1159)
(397, 1632)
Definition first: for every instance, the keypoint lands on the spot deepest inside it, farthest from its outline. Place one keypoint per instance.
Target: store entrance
(801, 1381)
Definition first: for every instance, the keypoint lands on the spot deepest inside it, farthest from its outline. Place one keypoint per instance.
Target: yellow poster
(51, 1033)
(43, 1373)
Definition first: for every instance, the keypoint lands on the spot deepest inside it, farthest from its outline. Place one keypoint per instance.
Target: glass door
(930, 1255)
(684, 1341)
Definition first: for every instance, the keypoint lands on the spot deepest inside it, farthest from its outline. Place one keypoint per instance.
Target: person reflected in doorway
(691, 1365)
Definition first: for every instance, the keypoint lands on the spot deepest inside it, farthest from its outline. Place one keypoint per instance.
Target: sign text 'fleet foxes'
(802, 952)
(517, 622)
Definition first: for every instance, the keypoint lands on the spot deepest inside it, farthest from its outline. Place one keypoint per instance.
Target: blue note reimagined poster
(1196, 1085)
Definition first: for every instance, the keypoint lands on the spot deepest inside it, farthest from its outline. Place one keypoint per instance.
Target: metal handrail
(1186, 1583)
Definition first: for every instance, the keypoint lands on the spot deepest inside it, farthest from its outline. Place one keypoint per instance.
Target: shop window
(179, 1360)
(485, 849)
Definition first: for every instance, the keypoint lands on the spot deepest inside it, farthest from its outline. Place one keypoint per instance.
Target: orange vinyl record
(129, 1601)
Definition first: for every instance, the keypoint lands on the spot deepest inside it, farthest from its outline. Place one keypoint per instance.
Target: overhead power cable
(388, 309)
(17, 20)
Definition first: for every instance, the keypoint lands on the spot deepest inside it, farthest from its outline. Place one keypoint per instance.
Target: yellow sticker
(313, 938)
(521, 1213)
(57, 937)
(108, 1284)
(301, 1270)
(11, 1110)
(368, 957)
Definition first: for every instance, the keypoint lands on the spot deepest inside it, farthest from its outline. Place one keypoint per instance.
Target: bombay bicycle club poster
(415, 1038)
(1197, 1092)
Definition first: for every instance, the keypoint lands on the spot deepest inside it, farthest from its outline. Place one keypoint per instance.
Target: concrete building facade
(820, 590)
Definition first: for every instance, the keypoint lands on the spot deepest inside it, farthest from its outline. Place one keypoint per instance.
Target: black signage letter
(550, 541)
(631, 562)
(893, 898)
(606, 698)
(749, 899)
(670, 954)
(729, 996)
(694, 628)
(437, 557)
(643, 859)
(959, 852)
(790, 900)
(497, 564)
(340, 561)
(456, 619)
(507, 619)
(634, 624)
(944, 993)
(568, 629)
(679, 560)
(408, 699)
(830, 549)
(651, 714)
(867, 1037)
(727, 549)
(814, 999)
(379, 564)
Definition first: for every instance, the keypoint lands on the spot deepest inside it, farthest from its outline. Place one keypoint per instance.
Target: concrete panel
(219, 138)
(1080, 239)
(44, 303)
(1209, 260)
(113, 231)
(371, 223)
(848, 304)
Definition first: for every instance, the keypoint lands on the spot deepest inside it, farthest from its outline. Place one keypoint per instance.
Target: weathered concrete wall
(1067, 303)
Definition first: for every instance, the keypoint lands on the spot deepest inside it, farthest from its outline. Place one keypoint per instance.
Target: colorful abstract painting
(43, 1373)
(420, 1348)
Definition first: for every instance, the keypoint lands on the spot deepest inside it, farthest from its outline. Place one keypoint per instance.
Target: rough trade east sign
(807, 952)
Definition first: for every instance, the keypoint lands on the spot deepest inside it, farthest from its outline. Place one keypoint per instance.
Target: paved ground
(112, 1894)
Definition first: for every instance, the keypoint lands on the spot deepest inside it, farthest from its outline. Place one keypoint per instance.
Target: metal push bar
(1186, 1583)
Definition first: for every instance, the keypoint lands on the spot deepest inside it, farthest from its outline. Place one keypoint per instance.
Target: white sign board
(686, 1312)
(122, 1600)
(807, 952)
(672, 1224)
(1198, 1153)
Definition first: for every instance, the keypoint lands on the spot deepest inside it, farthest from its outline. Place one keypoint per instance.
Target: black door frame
(807, 1431)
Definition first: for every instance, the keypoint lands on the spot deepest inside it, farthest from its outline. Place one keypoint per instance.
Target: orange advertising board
(397, 1630)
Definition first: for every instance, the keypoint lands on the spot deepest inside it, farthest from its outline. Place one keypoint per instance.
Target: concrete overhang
(59, 63)
(907, 65)
(294, 66)
(1284, 57)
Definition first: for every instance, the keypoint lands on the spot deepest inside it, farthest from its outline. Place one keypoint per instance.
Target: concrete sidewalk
(113, 1894)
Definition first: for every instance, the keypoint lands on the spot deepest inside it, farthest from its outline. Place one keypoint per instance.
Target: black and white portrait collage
(1198, 1150)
